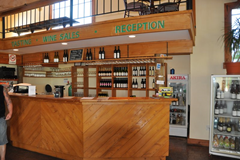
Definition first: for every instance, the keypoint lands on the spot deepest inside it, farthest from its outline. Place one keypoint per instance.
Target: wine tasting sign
(124, 26)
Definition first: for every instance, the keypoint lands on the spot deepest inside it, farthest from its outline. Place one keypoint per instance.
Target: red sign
(177, 77)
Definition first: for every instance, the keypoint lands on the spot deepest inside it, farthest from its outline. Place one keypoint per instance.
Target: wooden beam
(30, 6)
(177, 21)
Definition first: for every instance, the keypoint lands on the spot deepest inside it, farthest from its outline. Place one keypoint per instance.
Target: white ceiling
(145, 37)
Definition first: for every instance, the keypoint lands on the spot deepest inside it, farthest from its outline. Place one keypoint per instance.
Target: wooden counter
(69, 128)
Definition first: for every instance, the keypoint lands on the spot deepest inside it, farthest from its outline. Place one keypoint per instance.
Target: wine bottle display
(120, 83)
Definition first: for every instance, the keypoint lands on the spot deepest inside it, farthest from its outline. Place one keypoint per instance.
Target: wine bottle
(118, 53)
(216, 111)
(153, 84)
(221, 108)
(144, 83)
(143, 70)
(234, 109)
(44, 58)
(90, 55)
(177, 102)
(136, 84)
(64, 56)
(115, 53)
(150, 71)
(57, 57)
(100, 53)
(225, 108)
(47, 58)
(87, 55)
(103, 54)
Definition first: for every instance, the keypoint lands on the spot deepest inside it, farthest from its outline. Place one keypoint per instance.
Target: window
(82, 11)
(235, 17)
(232, 13)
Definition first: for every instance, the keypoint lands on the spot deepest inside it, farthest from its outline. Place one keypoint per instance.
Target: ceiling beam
(29, 6)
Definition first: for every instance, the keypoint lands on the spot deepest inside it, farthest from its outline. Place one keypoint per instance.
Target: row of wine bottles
(104, 72)
(89, 55)
(123, 83)
(56, 58)
(120, 82)
(142, 71)
(135, 83)
(120, 71)
(106, 83)
(123, 71)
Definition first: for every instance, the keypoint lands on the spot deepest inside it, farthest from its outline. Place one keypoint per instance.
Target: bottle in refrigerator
(226, 143)
(221, 142)
(216, 108)
(232, 143)
(215, 122)
(225, 107)
(234, 109)
(177, 102)
(215, 141)
(229, 126)
(220, 125)
(220, 108)
(224, 124)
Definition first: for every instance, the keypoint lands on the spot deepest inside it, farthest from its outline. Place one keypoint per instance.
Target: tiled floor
(179, 150)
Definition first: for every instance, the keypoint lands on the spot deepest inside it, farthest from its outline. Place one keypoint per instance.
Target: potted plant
(232, 48)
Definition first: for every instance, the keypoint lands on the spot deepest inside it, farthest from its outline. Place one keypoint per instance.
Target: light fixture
(64, 43)
(15, 50)
(132, 36)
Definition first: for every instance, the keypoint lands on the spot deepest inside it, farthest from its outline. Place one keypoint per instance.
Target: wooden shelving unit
(112, 91)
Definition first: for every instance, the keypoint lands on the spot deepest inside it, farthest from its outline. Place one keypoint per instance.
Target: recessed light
(132, 36)
(64, 43)
(15, 50)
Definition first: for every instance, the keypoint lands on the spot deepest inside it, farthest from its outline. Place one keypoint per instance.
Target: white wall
(207, 59)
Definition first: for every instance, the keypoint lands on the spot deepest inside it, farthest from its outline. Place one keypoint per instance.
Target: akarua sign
(137, 26)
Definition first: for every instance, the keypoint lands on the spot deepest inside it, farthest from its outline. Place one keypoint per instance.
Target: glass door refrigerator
(179, 109)
(224, 137)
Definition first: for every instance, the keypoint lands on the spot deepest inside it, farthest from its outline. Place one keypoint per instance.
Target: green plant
(232, 41)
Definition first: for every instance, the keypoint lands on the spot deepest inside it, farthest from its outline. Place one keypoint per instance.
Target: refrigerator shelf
(228, 151)
(227, 99)
(227, 116)
(233, 133)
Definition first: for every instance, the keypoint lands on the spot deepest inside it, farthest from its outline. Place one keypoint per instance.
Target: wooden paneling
(151, 48)
(125, 130)
(198, 142)
(180, 47)
(147, 49)
(47, 126)
(36, 58)
(118, 129)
